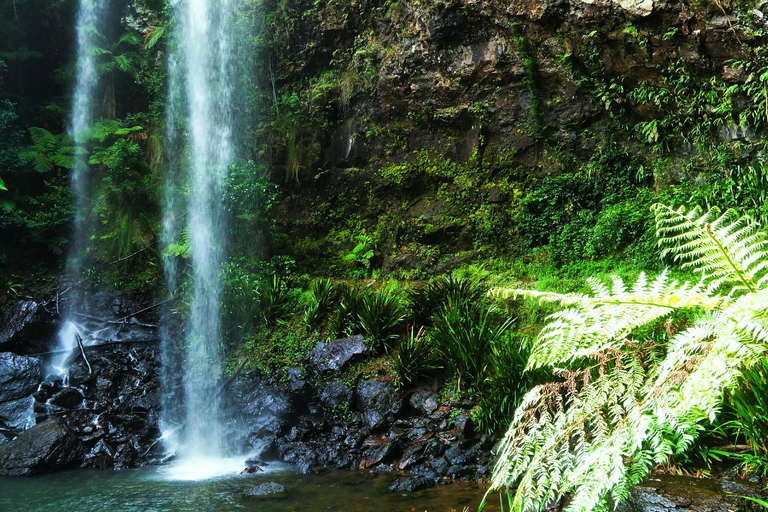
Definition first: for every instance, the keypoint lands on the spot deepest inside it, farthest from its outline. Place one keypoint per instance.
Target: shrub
(437, 294)
(275, 300)
(413, 358)
(344, 319)
(747, 407)
(324, 294)
(506, 383)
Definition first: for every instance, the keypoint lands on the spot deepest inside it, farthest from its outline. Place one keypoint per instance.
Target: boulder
(425, 401)
(662, 493)
(378, 401)
(44, 447)
(19, 376)
(334, 394)
(68, 398)
(27, 328)
(334, 356)
(18, 414)
(412, 484)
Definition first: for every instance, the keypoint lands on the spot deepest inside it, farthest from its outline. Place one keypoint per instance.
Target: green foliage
(251, 199)
(36, 205)
(48, 151)
(464, 335)
(746, 414)
(362, 253)
(506, 383)
(381, 315)
(275, 300)
(624, 400)
(438, 294)
(595, 213)
(413, 358)
(125, 195)
(345, 320)
(324, 294)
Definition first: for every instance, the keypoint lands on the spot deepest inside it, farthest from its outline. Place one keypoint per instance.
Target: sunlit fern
(623, 403)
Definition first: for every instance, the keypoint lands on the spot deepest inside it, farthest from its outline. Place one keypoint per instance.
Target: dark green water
(146, 490)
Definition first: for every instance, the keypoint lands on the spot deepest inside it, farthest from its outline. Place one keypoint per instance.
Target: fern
(726, 248)
(624, 404)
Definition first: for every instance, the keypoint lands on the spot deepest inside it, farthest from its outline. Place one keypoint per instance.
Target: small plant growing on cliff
(624, 401)
(361, 254)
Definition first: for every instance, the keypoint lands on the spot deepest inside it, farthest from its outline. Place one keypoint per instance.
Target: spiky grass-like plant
(324, 293)
(381, 314)
(624, 403)
(437, 294)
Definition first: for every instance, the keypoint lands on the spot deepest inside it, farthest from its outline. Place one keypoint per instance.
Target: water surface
(149, 490)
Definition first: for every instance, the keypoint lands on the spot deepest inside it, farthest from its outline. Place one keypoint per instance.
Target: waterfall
(91, 17)
(200, 147)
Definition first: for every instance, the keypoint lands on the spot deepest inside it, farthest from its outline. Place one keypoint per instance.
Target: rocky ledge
(104, 414)
(316, 420)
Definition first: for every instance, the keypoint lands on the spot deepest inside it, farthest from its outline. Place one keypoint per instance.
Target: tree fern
(624, 404)
(726, 248)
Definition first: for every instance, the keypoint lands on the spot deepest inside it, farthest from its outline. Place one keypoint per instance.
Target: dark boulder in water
(412, 484)
(45, 447)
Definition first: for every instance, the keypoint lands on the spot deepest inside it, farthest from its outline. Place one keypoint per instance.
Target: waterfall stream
(91, 19)
(200, 144)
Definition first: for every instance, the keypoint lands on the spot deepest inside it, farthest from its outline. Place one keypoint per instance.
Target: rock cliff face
(428, 121)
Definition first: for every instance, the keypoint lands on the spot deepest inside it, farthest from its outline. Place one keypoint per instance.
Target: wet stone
(269, 490)
(69, 398)
(334, 356)
(19, 376)
(379, 402)
(424, 401)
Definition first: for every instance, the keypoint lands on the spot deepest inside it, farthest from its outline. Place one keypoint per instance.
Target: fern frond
(39, 162)
(631, 409)
(595, 324)
(43, 140)
(726, 248)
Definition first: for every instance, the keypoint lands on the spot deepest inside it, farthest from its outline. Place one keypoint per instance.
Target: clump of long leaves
(437, 294)
(745, 417)
(324, 294)
(464, 335)
(622, 403)
(414, 358)
(381, 314)
(506, 382)
(275, 300)
(345, 320)
(748, 406)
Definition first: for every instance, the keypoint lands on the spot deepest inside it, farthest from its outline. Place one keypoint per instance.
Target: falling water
(90, 19)
(200, 140)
